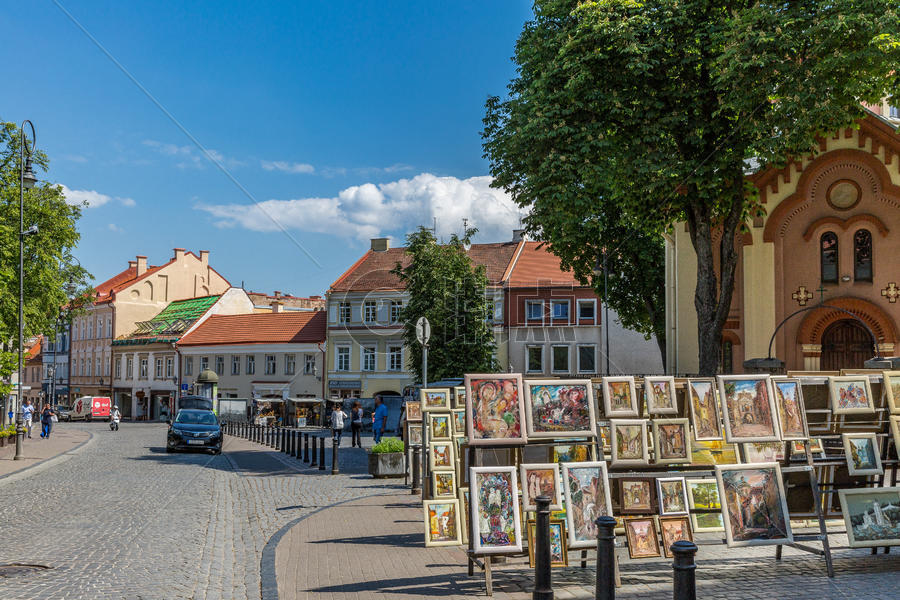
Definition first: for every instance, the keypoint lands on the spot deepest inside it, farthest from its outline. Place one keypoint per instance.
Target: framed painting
(643, 541)
(748, 407)
(586, 488)
(660, 393)
(414, 411)
(558, 552)
(891, 383)
(895, 430)
(791, 409)
(851, 395)
(462, 461)
(713, 452)
(636, 496)
(495, 410)
(463, 497)
(701, 396)
(703, 494)
(540, 479)
(863, 453)
(672, 494)
(571, 453)
(603, 433)
(434, 399)
(629, 442)
(815, 446)
(872, 516)
(672, 441)
(496, 522)
(754, 506)
(459, 422)
(441, 456)
(757, 452)
(559, 408)
(619, 397)
(459, 397)
(674, 529)
(444, 484)
(439, 427)
(442, 523)
(414, 433)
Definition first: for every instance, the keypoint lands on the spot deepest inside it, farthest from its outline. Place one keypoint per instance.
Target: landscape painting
(636, 496)
(862, 453)
(851, 394)
(442, 456)
(413, 411)
(754, 504)
(560, 408)
(619, 397)
(642, 539)
(571, 453)
(439, 427)
(891, 383)
(756, 452)
(872, 516)
(629, 443)
(661, 395)
(713, 452)
(791, 409)
(703, 494)
(674, 529)
(495, 510)
(749, 408)
(434, 399)
(442, 523)
(558, 554)
(672, 438)
(444, 484)
(672, 496)
(705, 415)
(540, 479)
(459, 422)
(587, 497)
(495, 411)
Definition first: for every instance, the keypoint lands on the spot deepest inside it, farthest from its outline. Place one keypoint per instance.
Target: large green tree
(450, 291)
(651, 110)
(51, 275)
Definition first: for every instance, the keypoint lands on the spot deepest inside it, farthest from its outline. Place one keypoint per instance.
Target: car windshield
(196, 418)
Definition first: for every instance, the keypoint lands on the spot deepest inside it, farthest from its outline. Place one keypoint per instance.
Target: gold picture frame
(442, 523)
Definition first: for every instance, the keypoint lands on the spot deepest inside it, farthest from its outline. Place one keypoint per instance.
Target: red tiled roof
(34, 350)
(536, 265)
(259, 328)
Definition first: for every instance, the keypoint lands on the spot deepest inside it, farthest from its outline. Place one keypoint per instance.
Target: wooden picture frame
(444, 484)
(706, 417)
(559, 555)
(672, 495)
(636, 495)
(494, 490)
(459, 397)
(735, 481)
(790, 408)
(434, 399)
(586, 487)
(462, 494)
(560, 408)
(895, 430)
(673, 529)
(703, 494)
(442, 523)
(615, 390)
(643, 541)
(661, 397)
(867, 524)
(748, 407)
(845, 394)
(666, 434)
(537, 477)
(857, 461)
(627, 441)
(439, 427)
(442, 456)
(459, 422)
(892, 390)
(414, 411)
(495, 409)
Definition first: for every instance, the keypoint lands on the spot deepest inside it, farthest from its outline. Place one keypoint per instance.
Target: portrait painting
(891, 383)
(444, 484)
(415, 433)
(863, 453)
(571, 453)
(442, 523)
(713, 452)
(434, 399)
(703, 495)
(459, 422)
(660, 392)
(672, 494)
(558, 550)
(439, 427)
(791, 409)
(559, 408)
(619, 397)
(413, 411)
(496, 522)
(587, 495)
(629, 443)
(851, 394)
(495, 410)
(754, 505)
(442, 456)
(760, 452)
(642, 539)
(748, 407)
(872, 516)
(636, 496)
(459, 397)
(701, 395)
(674, 529)
(672, 440)
(540, 479)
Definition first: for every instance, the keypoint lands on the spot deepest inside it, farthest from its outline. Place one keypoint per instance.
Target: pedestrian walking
(379, 419)
(337, 423)
(27, 415)
(356, 415)
(46, 421)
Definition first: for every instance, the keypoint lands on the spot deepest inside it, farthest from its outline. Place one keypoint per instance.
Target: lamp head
(28, 176)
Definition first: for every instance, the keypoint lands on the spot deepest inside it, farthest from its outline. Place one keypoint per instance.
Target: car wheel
(88, 419)
(168, 450)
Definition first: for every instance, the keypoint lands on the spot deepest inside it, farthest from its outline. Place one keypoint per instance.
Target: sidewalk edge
(46, 463)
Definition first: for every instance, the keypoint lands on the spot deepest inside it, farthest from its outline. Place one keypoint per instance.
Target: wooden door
(845, 345)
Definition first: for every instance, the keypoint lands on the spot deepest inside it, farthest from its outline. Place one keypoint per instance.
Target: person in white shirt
(27, 414)
(337, 423)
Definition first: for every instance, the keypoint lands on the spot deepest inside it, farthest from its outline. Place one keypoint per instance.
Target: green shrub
(388, 444)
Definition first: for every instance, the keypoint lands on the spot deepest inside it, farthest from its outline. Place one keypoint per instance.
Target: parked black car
(195, 429)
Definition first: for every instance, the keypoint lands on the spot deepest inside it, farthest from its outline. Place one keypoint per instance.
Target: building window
(342, 359)
(368, 358)
(894, 112)
(75, 334)
(270, 364)
(109, 327)
(396, 307)
(129, 368)
(587, 359)
(119, 367)
(862, 255)
(188, 365)
(587, 310)
(90, 365)
(534, 310)
(220, 365)
(498, 311)
(290, 364)
(395, 358)
(309, 364)
(235, 365)
(143, 371)
(369, 310)
(204, 363)
(99, 328)
(560, 310)
(170, 367)
(344, 312)
(726, 364)
(158, 372)
(560, 359)
(251, 364)
(829, 257)
(534, 359)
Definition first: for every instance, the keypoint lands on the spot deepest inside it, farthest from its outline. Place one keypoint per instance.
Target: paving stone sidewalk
(36, 450)
(373, 549)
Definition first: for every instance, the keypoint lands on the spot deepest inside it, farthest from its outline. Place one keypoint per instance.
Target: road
(123, 519)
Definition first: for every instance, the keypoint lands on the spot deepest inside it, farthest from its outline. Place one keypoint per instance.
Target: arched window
(726, 357)
(862, 255)
(828, 246)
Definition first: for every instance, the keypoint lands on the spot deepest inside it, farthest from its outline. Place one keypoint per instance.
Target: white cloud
(92, 198)
(287, 167)
(189, 157)
(369, 210)
(115, 228)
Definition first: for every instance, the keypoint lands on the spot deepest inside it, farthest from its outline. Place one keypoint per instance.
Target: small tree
(450, 291)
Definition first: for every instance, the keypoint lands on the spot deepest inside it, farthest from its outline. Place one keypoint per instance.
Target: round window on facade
(843, 194)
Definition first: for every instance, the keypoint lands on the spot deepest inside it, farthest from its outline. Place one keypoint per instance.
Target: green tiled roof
(170, 323)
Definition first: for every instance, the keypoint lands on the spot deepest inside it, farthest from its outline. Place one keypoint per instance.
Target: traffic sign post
(423, 334)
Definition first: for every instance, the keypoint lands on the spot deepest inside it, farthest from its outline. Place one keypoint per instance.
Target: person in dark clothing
(46, 421)
(356, 415)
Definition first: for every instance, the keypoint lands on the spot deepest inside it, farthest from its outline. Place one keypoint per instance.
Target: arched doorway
(845, 345)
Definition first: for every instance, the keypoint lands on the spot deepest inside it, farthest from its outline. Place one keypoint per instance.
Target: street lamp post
(26, 180)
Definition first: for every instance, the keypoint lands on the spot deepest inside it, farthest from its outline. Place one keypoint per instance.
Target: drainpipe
(322, 348)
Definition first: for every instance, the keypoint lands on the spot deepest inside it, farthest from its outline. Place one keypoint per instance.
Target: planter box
(390, 464)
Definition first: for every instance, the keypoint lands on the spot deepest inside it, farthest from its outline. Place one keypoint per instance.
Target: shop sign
(344, 384)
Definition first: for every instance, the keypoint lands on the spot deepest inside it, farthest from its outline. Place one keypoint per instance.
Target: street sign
(184, 387)
(423, 330)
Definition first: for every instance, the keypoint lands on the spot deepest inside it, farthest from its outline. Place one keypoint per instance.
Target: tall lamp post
(27, 180)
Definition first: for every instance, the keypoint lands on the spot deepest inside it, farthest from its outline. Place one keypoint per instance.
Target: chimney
(276, 306)
(179, 254)
(204, 258)
(277, 294)
(141, 265)
(381, 244)
(518, 235)
(132, 264)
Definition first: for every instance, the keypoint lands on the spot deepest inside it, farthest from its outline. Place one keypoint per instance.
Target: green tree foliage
(646, 113)
(51, 275)
(449, 290)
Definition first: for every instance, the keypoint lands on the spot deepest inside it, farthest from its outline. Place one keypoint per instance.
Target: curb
(46, 463)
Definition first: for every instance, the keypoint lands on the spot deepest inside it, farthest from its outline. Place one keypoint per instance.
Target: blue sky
(342, 120)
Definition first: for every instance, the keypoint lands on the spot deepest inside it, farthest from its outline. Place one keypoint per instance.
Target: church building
(831, 236)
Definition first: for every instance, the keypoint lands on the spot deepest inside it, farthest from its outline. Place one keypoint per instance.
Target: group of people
(46, 416)
(379, 422)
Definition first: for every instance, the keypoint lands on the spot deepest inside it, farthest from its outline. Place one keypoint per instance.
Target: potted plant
(386, 458)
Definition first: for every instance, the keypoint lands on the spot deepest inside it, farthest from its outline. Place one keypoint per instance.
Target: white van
(89, 408)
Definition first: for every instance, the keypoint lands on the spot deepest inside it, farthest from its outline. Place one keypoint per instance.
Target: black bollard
(416, 471)
(315, 455)
(322, 454)
(306, 447)
(334, 456)
(282, 440)
(296, 446)
(543, 587)
(685, 584)
(606, 559)
(257, 434)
